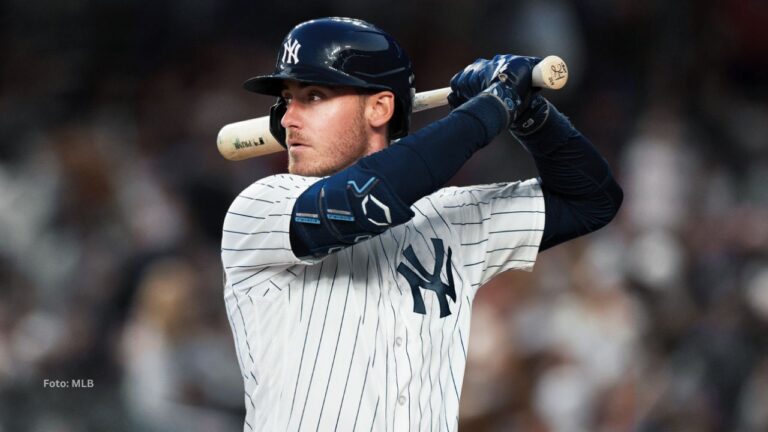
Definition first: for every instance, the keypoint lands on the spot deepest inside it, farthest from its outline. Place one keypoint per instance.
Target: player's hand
(531, 119)
(470, 81)
(510, 74)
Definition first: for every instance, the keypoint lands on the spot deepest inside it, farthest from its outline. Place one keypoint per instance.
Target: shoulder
(273, 189)
(279, 182)
(267, 197)
(484, 193)
(256, 228)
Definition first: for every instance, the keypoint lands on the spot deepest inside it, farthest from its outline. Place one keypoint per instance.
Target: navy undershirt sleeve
(580, 192)
(408, 170)
(421, 163)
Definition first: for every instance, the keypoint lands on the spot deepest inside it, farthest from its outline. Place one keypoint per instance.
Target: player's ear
(380, 107)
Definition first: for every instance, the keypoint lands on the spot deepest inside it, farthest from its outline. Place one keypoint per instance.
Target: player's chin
(294, 167)
(297, 164)
(306, 166)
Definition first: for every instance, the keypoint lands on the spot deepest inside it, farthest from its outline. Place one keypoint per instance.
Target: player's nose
(292, 116)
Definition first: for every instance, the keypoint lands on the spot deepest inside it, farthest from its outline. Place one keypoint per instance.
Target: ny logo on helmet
(291, 51)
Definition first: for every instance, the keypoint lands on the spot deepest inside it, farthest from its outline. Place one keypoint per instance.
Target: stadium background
(112, 196)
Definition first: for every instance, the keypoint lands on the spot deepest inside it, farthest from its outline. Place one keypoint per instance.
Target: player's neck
(377, 141)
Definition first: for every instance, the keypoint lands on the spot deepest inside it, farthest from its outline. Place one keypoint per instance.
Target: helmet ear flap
(276, 114)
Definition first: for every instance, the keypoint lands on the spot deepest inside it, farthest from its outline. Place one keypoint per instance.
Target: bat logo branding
(291, 51)
(559, 71)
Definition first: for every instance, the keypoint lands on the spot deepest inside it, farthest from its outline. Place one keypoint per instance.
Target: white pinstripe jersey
(335, 343)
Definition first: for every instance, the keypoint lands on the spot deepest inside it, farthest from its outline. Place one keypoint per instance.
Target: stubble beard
(351, 145)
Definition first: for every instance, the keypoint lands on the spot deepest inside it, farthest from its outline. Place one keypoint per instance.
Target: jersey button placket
(401, 419)
(404, 372)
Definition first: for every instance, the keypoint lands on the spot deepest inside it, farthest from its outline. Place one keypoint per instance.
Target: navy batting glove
(515, 70)
(533, 118)
(470, 81)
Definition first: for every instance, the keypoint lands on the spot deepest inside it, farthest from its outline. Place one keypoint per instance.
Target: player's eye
(287, 98)
(314, 96)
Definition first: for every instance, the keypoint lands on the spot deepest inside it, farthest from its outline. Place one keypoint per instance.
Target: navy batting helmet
(340, 52)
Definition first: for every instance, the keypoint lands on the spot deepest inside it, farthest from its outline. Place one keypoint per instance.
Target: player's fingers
(454, 100)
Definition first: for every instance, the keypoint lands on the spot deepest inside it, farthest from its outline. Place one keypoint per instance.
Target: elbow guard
(343, 209)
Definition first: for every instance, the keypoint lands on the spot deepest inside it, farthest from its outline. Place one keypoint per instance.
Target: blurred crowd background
(112, 196)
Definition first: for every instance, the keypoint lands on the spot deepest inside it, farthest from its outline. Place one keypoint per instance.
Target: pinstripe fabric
(334, 344)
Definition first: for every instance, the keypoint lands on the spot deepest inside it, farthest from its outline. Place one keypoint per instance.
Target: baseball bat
(251, 138)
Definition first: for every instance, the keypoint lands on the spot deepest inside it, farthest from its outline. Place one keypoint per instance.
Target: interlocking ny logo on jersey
(429, 281)
(291, 51)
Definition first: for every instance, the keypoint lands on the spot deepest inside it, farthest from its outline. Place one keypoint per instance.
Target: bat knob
(551, 73)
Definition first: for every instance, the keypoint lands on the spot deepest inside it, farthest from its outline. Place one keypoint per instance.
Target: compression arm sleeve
(337, 211)
(580, 192)
(422, 163)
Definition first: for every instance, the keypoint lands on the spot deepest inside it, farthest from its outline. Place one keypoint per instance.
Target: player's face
(325, 128)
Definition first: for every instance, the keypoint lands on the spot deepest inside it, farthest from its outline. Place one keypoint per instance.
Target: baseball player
(349, 281)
